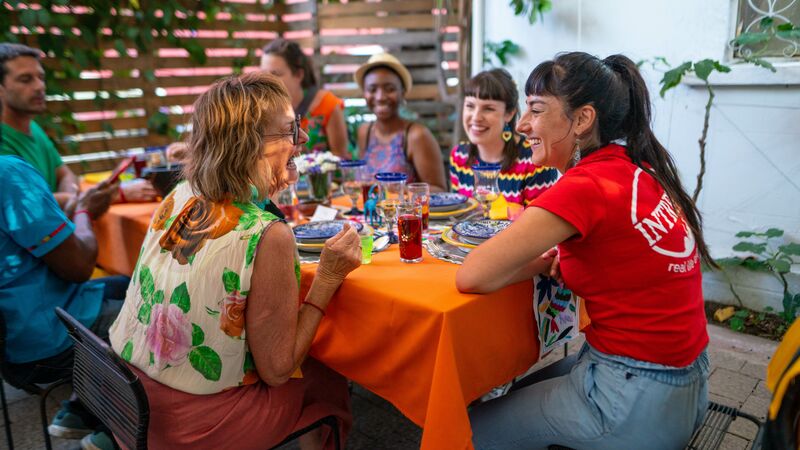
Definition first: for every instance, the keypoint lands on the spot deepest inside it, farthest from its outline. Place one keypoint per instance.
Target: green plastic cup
(366, 249)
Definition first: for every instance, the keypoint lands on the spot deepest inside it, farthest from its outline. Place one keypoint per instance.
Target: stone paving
(738, 364)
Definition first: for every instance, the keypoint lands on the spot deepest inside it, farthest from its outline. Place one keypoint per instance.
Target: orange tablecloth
(402, 331)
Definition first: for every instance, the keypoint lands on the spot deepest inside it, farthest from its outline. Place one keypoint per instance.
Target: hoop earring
(507, 134)
(576, 154)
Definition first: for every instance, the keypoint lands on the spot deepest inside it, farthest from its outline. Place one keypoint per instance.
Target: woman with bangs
(630, 243)
(213, 322)
(489, 117)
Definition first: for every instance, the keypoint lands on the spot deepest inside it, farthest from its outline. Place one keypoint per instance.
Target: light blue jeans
(600, 402)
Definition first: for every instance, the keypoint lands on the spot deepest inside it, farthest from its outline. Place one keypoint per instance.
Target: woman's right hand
(340, 256)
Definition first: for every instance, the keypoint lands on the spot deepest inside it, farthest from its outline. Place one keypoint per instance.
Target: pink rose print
(169, 335)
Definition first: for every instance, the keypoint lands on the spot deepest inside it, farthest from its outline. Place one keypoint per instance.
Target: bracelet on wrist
(317, 307)
(82, 211)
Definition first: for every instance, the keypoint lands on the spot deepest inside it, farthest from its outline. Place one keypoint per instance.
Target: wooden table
(402, 331)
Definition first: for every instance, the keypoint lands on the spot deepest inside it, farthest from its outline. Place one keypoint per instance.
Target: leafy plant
(75, 38)
(531, 8)
(767, 253)
(501, 51)
(702, 69)
(768, 31)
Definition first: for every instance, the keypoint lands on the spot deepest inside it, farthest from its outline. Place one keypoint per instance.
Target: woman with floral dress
(212, 322)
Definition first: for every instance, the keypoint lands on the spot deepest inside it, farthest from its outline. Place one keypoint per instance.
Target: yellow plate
(472, 204)
(454, 241)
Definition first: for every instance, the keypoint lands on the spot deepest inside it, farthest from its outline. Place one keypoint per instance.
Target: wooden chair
(113, 393)
(41, 390)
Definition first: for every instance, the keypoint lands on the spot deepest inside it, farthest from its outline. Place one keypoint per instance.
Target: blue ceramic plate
(446, 201)
(322, 230)
(480, 229)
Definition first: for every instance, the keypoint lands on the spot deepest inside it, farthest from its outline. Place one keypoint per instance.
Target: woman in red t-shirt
(630, 243)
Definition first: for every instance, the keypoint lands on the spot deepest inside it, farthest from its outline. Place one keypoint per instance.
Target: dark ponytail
(618, 93)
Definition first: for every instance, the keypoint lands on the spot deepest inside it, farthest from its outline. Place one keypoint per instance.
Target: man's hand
(97, 199)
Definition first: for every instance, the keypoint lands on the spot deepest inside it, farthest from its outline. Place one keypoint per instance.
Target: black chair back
(107, 387)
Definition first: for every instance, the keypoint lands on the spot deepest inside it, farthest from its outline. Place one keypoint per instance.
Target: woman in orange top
(321, 111)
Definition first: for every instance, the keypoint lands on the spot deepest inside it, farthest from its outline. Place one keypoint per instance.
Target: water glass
(392, 192)
(353, 179)
(420, 195)
(366, 248)
(409, 227)
(486, 188)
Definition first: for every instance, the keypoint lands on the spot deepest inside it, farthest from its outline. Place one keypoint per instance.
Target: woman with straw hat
(391, 143)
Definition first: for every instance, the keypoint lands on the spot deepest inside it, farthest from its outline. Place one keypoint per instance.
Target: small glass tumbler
(392, 187)
(486, 188)
(352, 181)
(409, 227)
(420, 195)
(366, 248)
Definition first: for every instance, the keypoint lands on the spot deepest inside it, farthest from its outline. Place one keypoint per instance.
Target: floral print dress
(183, 320)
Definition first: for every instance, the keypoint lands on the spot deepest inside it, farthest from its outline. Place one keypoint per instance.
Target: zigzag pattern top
(521, 183)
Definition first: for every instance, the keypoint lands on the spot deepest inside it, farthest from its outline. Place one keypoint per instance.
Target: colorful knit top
(521, 183)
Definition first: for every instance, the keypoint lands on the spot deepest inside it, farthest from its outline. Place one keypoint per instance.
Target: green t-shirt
(37, 149)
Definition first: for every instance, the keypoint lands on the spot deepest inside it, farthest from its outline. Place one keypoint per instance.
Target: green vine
(500, 51)
(531, 8)
(75, 37)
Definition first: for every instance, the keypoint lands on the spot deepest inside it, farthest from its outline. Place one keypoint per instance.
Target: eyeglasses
(295, 134)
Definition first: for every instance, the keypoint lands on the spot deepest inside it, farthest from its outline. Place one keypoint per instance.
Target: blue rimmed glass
(486, 189)
(392, 192)
(354, 176)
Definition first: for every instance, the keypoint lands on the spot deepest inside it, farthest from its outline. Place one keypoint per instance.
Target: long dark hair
(295, 59)
(496, 84)
(618, 93)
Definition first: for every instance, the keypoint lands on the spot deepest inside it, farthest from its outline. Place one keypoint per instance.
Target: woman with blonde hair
(212, 322)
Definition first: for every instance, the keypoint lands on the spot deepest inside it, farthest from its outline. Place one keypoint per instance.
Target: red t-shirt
(634, 262)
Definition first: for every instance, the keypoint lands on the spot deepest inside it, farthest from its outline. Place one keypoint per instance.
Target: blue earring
(507, 133)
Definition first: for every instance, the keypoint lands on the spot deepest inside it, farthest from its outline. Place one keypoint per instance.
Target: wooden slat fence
(114, 103)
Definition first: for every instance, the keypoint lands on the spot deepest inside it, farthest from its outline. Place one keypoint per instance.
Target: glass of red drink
(409, 229)
(420, 195)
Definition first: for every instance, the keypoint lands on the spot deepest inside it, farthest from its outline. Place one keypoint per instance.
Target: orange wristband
(322, 311)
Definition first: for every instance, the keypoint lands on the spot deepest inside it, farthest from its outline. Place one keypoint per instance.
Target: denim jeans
(603, 402)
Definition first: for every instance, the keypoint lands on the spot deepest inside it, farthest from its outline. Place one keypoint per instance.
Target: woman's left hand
(555, 264)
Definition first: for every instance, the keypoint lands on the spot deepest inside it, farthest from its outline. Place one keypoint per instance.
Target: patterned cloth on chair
(556, 310)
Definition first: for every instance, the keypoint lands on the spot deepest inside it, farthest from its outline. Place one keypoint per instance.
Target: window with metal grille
(767, 28)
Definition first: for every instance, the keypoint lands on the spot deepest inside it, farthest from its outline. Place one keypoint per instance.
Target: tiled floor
(737, 379)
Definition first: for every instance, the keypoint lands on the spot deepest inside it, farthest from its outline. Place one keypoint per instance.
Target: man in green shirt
(22, 93)
(22, 89)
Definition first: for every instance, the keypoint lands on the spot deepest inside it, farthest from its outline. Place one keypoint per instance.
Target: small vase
(319, 188)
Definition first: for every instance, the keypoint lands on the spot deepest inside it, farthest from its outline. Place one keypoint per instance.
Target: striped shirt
(521, 183)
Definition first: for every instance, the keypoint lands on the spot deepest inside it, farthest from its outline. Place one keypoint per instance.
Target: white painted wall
(753, 153)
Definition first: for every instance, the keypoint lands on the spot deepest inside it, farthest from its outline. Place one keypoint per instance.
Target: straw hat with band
(388, 61)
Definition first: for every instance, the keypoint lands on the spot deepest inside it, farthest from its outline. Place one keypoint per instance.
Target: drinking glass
(392, 192)
(486, 188)
(287, 202)
(366, 248)
(409, 227)
(420, 195)
(352, 181)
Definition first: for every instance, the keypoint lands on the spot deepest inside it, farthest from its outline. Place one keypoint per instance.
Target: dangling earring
(507, 133)
(576, 155)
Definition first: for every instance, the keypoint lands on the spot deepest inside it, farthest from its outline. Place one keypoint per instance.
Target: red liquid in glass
(409, 227)
(365, 191)
(425, 219)
(289, 211)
